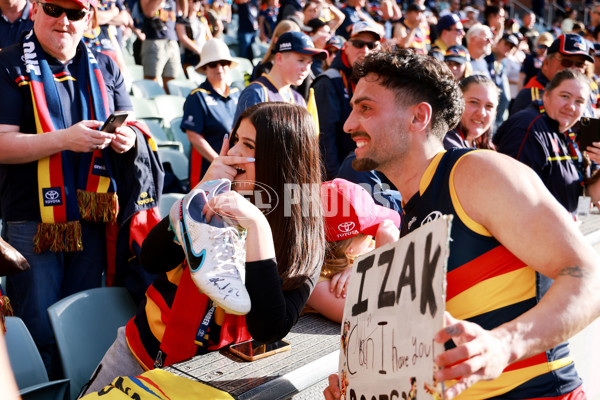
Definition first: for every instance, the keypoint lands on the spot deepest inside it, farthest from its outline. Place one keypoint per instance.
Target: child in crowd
(351, 219)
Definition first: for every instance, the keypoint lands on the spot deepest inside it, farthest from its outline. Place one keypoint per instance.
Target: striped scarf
(70, 187)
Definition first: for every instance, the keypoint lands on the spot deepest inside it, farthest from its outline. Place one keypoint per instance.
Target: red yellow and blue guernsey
(167, 329)
(488, 285)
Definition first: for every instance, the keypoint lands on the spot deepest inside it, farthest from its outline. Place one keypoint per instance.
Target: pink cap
(349, 210)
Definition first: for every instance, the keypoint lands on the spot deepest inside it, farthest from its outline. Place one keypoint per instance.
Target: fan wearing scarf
(58, 191)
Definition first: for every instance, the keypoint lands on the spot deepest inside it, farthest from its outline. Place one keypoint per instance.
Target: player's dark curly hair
(417, 78)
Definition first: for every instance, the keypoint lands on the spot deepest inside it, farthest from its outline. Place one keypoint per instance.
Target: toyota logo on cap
(346, 226)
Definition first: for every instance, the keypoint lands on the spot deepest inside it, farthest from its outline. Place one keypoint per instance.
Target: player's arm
(510, 201)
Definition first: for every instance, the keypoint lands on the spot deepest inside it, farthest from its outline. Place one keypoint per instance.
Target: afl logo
(346, 226)
(431, 217)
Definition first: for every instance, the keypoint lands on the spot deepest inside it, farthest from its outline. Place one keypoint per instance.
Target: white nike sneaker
(215, 252)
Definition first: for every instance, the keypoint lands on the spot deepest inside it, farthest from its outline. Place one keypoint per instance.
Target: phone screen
(114, 121)
(589, 132)
(254, 349)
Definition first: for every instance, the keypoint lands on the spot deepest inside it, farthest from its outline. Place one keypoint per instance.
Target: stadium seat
(85, 325)
(179, 162)
(160, 136)
(146, 88)
(181, 87)
(145, 109)
(169, 107)
(28, 367)
(166, 202)
(181, 136)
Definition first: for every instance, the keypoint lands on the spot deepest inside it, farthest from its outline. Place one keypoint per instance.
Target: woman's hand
(339, 282)
(259, 239)
(234, 206)
(593, 152)
(222, 166)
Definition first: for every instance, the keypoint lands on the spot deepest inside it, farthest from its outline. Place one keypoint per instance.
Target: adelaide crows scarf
(70, 187)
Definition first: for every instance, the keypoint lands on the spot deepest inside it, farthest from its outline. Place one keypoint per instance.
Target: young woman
(475, 126)
(541, 137)
(284, 249)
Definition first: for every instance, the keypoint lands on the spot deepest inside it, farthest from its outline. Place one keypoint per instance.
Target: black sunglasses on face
(568, 63)
(215, 64)
(54, 11)
(359, 44)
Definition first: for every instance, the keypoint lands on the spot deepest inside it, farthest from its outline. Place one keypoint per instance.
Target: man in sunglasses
(450, 32)
(566, 51)
(333, 90)
(59, 174)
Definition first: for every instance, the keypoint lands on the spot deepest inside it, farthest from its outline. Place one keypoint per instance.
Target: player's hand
(479, 355)
(339, 282)
(124, 139)
(332, 392)
(83, 137)
(224, 166)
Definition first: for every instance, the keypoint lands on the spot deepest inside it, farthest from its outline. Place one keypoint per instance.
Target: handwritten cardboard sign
(394, 306)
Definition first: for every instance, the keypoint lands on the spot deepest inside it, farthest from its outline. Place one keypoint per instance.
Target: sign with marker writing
(394, 307)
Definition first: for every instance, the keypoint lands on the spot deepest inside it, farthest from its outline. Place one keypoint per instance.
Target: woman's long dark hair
(288, 162)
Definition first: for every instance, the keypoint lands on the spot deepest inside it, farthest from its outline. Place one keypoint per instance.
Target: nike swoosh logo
(195, 261)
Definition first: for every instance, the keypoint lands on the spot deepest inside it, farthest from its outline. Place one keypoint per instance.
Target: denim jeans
(245, 40)
(52, 277)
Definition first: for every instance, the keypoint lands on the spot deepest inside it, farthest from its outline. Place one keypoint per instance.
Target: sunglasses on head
(54, 11)
(568, 63)
(359, 44)
(215, 64)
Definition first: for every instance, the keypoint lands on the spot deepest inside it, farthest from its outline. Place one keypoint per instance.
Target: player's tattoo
(575, 271)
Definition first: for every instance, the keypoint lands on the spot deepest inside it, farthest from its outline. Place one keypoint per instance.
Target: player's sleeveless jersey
(488, 285)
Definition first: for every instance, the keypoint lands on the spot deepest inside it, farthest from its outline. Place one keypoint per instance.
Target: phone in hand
(114, 121)
(252, 350)
(589, 131)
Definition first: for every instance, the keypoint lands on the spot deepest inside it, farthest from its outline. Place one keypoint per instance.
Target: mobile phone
(114, 121)
(252, 350)
(589, 131)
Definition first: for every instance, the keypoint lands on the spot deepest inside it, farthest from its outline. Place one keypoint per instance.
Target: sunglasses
(215, 64)
(568, 63)
(542, 47)
(359, 44)
(54, 11)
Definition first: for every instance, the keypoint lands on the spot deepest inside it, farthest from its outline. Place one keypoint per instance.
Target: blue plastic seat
(181, 87)
(166, 202)
(146, 88)
(181, 136)
(180, 163)
(85, 325)
(28, 367)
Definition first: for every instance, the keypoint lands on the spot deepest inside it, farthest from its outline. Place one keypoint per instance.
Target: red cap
(82, 3)
(349, 210)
